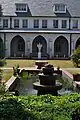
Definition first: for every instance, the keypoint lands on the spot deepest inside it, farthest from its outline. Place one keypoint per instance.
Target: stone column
(72, 46)
(27, 48)
(50, 47)
(6, 49)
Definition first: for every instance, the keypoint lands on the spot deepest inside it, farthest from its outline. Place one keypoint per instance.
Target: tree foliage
(75, 57)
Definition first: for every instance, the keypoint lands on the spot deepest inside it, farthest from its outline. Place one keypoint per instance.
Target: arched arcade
(17, 47)
(61, 47)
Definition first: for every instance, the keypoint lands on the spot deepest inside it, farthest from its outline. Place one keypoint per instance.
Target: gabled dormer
(59, 8)
(21, 7)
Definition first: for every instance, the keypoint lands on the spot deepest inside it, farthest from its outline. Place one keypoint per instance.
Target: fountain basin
(48, 79)
(48, 71)
(47, 89)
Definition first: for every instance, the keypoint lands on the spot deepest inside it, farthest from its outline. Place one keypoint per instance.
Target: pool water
(25, 87)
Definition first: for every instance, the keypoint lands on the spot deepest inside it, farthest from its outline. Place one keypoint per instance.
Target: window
(64, 23)
(16, 23)
(5, 23)
(36, 23)
(25, 23)
(75, 24)
(44, 23)
(21, 46)
(21, 7)
(58, 48)
(55, 23)
(59, 8)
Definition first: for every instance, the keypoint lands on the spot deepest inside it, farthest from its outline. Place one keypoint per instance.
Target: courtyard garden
(8, 69)
(29, 106)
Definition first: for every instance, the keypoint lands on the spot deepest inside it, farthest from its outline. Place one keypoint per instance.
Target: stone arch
(1, 48)
(77, 43)
(39, 39)
(17, 46)
(61, 47)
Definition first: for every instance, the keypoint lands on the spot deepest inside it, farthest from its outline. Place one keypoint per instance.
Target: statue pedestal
(39, 55)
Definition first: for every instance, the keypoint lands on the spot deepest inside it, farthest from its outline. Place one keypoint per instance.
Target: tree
(75, 57)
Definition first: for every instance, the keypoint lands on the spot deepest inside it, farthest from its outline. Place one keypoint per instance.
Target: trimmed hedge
(45, 107)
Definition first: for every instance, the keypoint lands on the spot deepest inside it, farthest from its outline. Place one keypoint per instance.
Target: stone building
(53, 23)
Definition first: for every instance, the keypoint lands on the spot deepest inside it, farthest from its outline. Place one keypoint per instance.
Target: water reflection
(25, 87)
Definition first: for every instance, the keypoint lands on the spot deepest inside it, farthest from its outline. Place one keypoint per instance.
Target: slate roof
(41, 7)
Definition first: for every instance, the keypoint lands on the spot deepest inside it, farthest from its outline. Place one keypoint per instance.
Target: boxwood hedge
(44, 107)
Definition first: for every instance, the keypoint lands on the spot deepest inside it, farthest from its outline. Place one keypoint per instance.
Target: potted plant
(58, 68)
(16, 70)
(58, 71)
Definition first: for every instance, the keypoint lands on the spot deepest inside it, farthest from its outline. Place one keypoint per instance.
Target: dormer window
(21, 7)
(59, 8)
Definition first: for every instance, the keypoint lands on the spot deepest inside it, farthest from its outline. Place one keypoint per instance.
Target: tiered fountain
(47, 81)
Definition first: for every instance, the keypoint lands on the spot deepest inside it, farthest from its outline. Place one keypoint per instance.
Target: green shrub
(2, 88)
(45, 107)
(26, 75)
(76, 114)
(11, 109)
(2, 62)
(75, 57)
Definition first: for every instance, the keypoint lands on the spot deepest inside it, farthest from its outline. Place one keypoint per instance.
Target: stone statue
(39, 47)
(39, 50)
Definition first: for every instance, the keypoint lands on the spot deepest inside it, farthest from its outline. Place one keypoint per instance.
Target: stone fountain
(47, 83)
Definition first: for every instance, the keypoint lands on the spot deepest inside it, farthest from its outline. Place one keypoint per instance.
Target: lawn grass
(74, 71)
(22, 63)
(31, 63)
(61, 63)
(7, 74)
